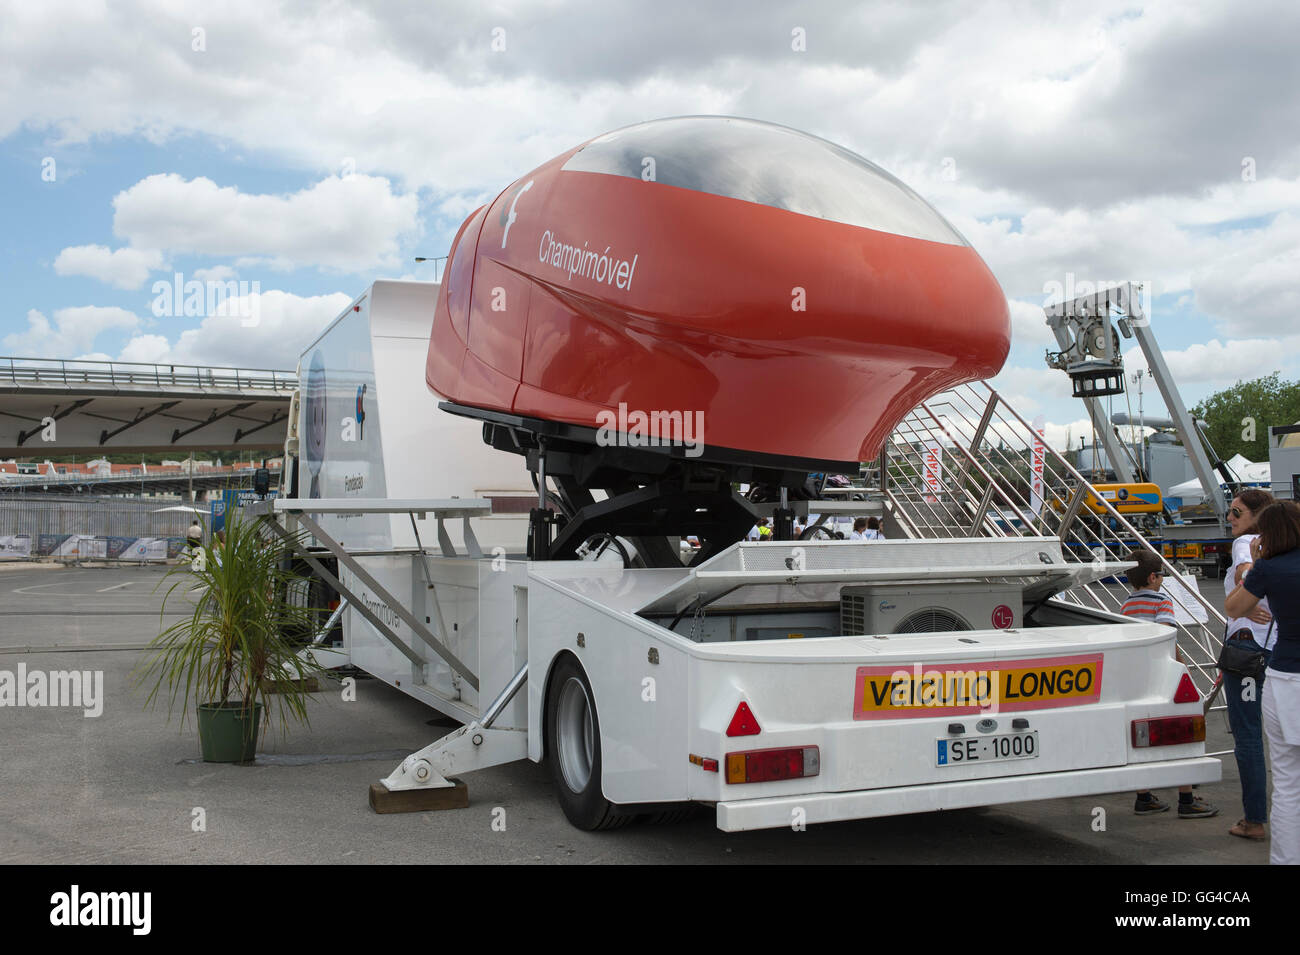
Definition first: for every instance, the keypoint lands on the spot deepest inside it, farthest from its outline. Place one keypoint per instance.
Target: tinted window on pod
(767, 164)
(459, 268)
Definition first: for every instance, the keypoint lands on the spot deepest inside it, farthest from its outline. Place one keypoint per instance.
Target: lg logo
(511, 218)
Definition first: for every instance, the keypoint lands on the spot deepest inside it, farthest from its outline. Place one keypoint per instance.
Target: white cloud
(1051, 101)
(73, 331)
(1031, 390)
(1081, 141)
(353, 224)
(1253, 285)
(126, 268)
(1065, 436)
(286, 323)
(218, 273)
(1221, 363)
(1029, 324)
(149, 349)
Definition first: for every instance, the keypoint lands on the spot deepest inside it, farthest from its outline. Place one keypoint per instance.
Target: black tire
(669, 817)
(573, 750)
(310, 590)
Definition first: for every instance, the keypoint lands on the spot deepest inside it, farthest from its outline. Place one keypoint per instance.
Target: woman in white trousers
(1276, 575)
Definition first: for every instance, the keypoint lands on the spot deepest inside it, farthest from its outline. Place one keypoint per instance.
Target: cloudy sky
(312, 148)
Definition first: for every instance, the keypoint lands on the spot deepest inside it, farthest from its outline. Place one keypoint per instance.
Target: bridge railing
(78, 373)
(241, 474)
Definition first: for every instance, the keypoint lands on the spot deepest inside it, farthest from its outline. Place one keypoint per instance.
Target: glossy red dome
(795, 295)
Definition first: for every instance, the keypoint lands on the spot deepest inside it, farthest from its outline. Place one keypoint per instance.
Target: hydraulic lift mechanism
(1090, 356)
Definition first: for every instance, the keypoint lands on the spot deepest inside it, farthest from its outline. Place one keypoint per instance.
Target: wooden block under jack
(384, 800)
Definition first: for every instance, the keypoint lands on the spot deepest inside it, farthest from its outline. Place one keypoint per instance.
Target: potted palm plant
(239, 653)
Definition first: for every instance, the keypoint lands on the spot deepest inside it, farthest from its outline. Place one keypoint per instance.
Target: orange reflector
(1168, 731)
(743, 722)
(1186, 692)
(769, 765)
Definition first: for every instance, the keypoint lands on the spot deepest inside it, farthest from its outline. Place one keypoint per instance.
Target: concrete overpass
(55, 407)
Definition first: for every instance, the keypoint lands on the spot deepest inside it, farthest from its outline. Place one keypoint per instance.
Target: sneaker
(1198, 808)
(1149, 806)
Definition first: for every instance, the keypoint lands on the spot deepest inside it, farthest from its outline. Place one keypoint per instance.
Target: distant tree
(1230, 414)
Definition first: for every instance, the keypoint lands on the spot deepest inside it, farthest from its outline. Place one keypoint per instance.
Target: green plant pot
(227, 733)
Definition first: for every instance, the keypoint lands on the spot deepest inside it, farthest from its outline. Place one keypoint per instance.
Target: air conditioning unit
(928, 608)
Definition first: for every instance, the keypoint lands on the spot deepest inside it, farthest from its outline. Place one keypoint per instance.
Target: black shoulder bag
(1239, 660)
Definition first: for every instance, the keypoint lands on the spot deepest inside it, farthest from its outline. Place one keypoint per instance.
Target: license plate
(987, 749)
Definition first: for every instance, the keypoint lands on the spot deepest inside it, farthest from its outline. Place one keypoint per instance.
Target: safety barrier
(45, 527)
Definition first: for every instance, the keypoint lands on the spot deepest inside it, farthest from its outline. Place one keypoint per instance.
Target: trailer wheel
(573, 750)
(669, 817)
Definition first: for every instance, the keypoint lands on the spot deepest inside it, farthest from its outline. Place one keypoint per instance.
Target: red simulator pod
(791, 299)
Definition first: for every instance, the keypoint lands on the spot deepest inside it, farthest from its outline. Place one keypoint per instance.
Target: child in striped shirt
(1149, 604)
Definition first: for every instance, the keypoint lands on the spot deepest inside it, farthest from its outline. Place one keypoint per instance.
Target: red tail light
(769, 765)
(1186, 692)
(1168, 731)
(743, 722)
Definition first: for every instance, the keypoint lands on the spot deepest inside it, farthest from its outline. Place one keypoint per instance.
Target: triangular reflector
(743, 723)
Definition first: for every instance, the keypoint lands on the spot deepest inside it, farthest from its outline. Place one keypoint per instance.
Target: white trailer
(777, 682)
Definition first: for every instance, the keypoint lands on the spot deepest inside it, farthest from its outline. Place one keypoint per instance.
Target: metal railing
(240, 474)
(79, 373)
(983, 485)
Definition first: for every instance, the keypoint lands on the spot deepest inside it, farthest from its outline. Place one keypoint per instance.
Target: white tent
(1191, 491)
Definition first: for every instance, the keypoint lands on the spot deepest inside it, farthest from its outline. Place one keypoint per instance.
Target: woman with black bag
(1247, 648)
(1276, 575)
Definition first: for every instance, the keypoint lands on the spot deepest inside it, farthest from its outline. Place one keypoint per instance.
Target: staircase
(963, 464)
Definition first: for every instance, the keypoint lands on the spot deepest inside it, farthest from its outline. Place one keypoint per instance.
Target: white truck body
(671, 654)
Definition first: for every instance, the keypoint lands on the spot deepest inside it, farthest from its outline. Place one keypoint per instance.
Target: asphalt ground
(128, 786)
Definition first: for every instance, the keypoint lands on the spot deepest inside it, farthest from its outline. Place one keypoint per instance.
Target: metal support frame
(106, 434)
(1140, 325)
(215, 416)
(978, 438)
(356, 602)
(394, 604)
(1072, 510)
(444, 539)
(428, 577)
(474, 746)
(240, 433)
(324, 631)
(982, 509)
(57, 416)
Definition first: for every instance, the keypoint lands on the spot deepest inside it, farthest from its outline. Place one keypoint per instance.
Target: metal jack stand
(541, 517)
(783, 519)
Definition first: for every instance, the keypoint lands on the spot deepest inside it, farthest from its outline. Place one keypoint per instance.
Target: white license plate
(986, 749)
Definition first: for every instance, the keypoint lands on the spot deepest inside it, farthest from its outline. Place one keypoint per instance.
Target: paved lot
(123, 787)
